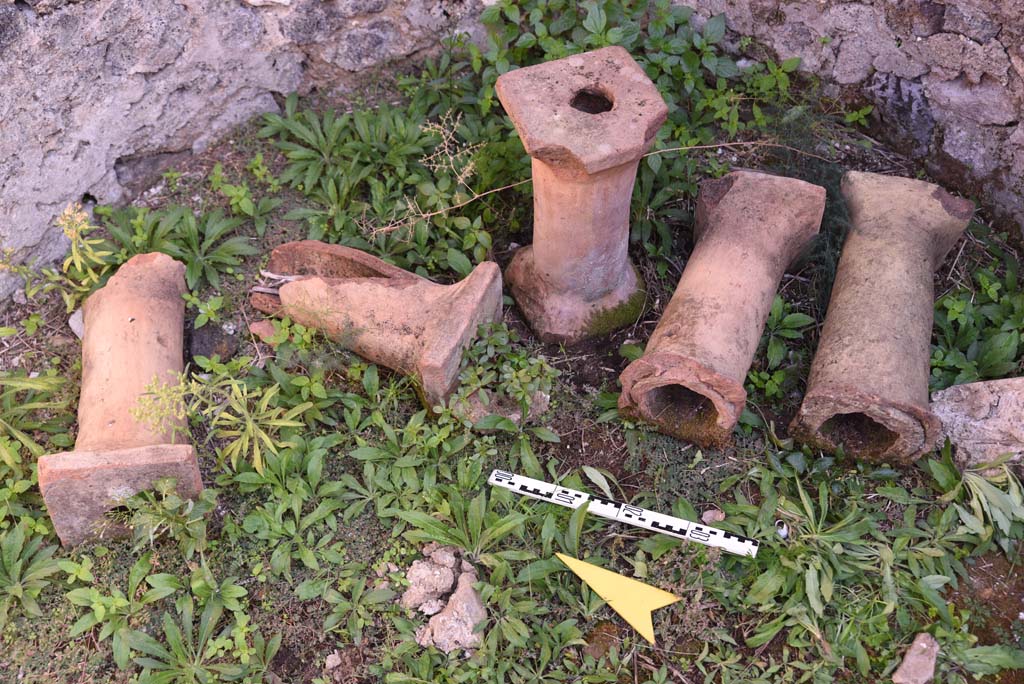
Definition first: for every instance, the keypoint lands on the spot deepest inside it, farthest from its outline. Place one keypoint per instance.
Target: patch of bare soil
(994, 593)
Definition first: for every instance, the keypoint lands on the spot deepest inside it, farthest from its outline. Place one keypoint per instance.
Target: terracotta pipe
(868, 386)
(586, 120)
(134, 327)
(750, 227)
(384, 314)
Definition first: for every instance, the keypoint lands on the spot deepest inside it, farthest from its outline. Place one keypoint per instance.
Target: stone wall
(98, 96)
(946, 78)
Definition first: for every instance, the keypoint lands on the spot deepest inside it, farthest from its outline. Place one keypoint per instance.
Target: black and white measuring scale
(631, 515)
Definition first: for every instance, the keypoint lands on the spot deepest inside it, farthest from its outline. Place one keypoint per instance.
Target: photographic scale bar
(631, 515)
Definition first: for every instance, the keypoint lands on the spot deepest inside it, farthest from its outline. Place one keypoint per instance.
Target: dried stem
(451, 154)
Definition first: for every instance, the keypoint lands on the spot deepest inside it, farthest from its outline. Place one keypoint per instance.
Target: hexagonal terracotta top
(589, 112)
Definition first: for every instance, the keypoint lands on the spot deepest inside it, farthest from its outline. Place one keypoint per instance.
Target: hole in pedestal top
(591, 101)
(858, 433)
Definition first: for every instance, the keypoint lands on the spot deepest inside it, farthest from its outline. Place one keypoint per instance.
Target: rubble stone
(452, 628)
(428, 581)
(918, 666)
(985, 420)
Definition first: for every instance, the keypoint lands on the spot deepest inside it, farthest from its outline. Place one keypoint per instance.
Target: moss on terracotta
(609, 320)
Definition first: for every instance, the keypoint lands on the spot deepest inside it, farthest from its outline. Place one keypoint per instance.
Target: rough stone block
(985, 420)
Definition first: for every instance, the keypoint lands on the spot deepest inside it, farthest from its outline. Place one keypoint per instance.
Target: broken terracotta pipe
(868, 385)
(586, 120)
(750, 227)
(134, 328)
(384, 314)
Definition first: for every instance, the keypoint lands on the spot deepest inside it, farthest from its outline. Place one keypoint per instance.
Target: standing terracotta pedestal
(868, 386)
(387, 315)
(133, 337)
(586, 120)
(750, 227)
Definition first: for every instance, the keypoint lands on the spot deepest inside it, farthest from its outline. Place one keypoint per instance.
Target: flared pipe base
(81, 487)
(565, 316)
(682, 397)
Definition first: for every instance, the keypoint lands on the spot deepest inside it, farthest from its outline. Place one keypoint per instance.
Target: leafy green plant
(835, 541)
(172, 177)
(78, 571)
(160, 513)
(989, 500)
(27, 406)
(261, 172)
(247, 418)
(978, 333)
(115, 612)
(783, 326)
(352, 605)
(197, 654)
(204, 246)
(86, 268)
(473, 526)
(243, 204)
(499, 370)
(138, 230)
(25, 565)
(295, 536)
(208, 310)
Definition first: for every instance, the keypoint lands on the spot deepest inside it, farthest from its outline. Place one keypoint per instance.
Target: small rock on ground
(712, 515)
(211, 340)
(263, 331)
(77, 323)
(452, 628)
(427, 581)
(918, 666)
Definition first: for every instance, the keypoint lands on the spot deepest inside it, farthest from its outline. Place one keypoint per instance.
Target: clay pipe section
(384, 314)
(134, 327)
(750, 227)
(868, 386)
(586, 120)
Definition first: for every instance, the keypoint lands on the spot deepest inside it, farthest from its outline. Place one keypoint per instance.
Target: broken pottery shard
(586, 120)
(985, 420)
(868, 385)
(133, 338)
(383, 313)
(453, 627)
(750, 227)
(918, 666)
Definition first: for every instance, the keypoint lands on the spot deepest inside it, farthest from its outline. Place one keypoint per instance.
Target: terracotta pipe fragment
(689, 382)
(384, 314)
(868, 386)
(134, 328)
(586, 120)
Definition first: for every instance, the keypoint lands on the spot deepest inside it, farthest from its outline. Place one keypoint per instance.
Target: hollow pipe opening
(858, 433)
(591, 101)
(681, 409)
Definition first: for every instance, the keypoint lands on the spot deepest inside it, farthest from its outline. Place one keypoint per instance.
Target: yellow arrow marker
(631, 599)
